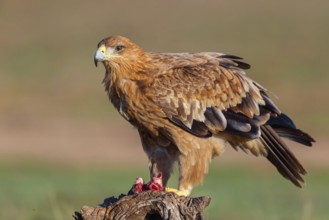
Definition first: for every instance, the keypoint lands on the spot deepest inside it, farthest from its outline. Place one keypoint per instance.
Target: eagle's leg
(162, 155)
(161, 165)
(192, 171)
(161, 162)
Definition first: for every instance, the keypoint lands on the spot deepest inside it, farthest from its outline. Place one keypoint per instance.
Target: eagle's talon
(176, 191)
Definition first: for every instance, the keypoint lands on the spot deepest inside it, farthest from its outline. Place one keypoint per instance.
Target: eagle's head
(118, 53)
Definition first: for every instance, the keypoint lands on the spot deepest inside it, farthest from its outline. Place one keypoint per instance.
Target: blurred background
(62, 145)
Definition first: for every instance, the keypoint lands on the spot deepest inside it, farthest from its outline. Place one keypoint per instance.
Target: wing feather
(211, 89)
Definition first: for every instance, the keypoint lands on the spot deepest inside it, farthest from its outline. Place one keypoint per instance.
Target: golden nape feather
(188, 107)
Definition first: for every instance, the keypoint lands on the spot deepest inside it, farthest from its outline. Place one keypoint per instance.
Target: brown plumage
(188, 107)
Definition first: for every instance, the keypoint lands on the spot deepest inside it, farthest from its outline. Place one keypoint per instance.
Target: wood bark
(148, 205)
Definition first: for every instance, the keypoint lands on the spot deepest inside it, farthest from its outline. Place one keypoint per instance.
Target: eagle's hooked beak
(99, 55)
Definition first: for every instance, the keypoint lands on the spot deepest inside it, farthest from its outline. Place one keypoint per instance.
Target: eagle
(188, 107)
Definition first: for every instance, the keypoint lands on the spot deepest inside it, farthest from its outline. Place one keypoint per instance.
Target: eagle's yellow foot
(177, 191)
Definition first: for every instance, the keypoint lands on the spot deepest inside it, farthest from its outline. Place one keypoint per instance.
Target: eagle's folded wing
(206, 93)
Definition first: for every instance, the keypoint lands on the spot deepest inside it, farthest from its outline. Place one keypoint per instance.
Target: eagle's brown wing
(204, 94)
(209, 93)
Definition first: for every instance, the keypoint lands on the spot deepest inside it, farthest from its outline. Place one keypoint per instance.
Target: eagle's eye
(119, 48)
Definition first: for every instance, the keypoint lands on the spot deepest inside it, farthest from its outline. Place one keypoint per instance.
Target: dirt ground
(100, 143)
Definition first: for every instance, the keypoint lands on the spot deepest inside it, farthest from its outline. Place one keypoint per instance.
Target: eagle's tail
(278, 152)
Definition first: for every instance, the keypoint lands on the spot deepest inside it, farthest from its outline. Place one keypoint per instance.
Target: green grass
(39, 191)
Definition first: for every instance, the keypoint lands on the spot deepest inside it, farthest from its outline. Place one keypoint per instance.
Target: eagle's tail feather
(278, 152)
(295, 135)
(281, 157)
(286, 128)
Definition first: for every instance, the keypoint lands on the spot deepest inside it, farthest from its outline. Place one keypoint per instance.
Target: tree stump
(148, 205)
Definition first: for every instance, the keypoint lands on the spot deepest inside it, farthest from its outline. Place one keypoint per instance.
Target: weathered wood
(148, 205)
